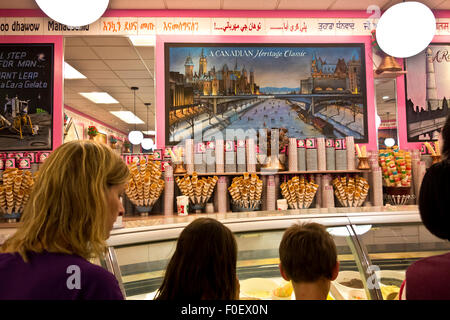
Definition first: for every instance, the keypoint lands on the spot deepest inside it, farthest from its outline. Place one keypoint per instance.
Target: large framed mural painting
(312, 90)
(427, 91)
(26, 95)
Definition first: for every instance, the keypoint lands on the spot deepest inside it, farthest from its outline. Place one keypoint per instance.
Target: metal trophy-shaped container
(199, 190)
(145, 186)
(177, 160)
(398, 196)
(14, 193)
(246, 193)
(246, 206)
(363, 163)
(275, 137)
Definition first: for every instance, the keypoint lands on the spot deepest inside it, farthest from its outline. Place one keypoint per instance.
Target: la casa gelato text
(19, 79)
(230, 309)
(257, 53)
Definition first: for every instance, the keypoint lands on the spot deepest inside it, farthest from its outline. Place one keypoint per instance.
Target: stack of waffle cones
(145, 186)
(298, 192)
(198, 190)
(15, 190)
(246, 190)
(351, 192)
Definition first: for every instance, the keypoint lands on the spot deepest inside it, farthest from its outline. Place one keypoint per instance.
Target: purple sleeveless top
(55, 276)
(429, 279)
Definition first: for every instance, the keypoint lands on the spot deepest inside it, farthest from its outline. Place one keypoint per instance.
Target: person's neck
(317, 290)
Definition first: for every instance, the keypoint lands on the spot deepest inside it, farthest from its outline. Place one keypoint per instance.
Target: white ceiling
(113, 65)
(241, 4)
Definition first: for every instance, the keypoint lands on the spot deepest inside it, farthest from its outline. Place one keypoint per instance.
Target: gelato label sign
(257, 53)
(22, 70)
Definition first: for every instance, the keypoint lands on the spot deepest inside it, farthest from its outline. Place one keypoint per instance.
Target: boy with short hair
(308, 258)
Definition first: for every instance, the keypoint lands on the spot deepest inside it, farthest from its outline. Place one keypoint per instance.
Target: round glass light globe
(389, 142)
(74, 13)
(406, 29)
(135, 137)
(377, 120)
(147, 144)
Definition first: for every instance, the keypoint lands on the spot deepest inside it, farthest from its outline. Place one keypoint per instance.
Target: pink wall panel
(93, 120)
(159, 55)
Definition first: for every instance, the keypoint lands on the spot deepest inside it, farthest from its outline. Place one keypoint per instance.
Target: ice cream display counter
(374, 250)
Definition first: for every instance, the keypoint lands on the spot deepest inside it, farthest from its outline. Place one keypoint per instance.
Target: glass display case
(372, 246)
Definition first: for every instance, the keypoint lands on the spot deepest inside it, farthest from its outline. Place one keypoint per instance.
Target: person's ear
(283, 274)
(335, 272)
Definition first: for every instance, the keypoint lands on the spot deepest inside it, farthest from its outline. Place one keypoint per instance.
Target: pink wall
(87, 117)
(159, 55)
(159, 70)
(57, 78)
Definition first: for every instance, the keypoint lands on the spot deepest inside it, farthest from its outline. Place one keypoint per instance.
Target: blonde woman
(69, 216)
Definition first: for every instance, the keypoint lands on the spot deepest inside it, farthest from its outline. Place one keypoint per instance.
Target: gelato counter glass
(374, 250)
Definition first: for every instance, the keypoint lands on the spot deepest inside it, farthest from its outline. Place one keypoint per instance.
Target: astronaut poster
(312, 90)
(26, 97)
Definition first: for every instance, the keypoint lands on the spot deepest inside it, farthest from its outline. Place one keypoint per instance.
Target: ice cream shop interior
(259, 114)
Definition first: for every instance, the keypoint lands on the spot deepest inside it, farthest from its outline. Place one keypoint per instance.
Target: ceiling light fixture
(405, 29)
(73, 13)
(127, 117)
(389, 142)
(135, 136)
(72, 73)
(147, 143)
(99, 97)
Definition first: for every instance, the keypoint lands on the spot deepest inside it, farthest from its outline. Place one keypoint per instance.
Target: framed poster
(101, 137)
(26, 92)
(73, 130)
(427, 91)
(313, 90)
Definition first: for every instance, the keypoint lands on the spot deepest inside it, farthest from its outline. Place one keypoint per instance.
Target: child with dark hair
(308, 258)
(203, 266)
(428, 278)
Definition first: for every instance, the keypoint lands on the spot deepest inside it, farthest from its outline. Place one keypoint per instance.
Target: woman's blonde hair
(67, 210)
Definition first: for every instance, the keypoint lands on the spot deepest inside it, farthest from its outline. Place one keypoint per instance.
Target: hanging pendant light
(147, 143)
(406, 29)
(73, 13)
(135, 137)
(389, 142)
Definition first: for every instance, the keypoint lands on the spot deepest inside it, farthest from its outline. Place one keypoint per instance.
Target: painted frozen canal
(212, 89)
(274, 113)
